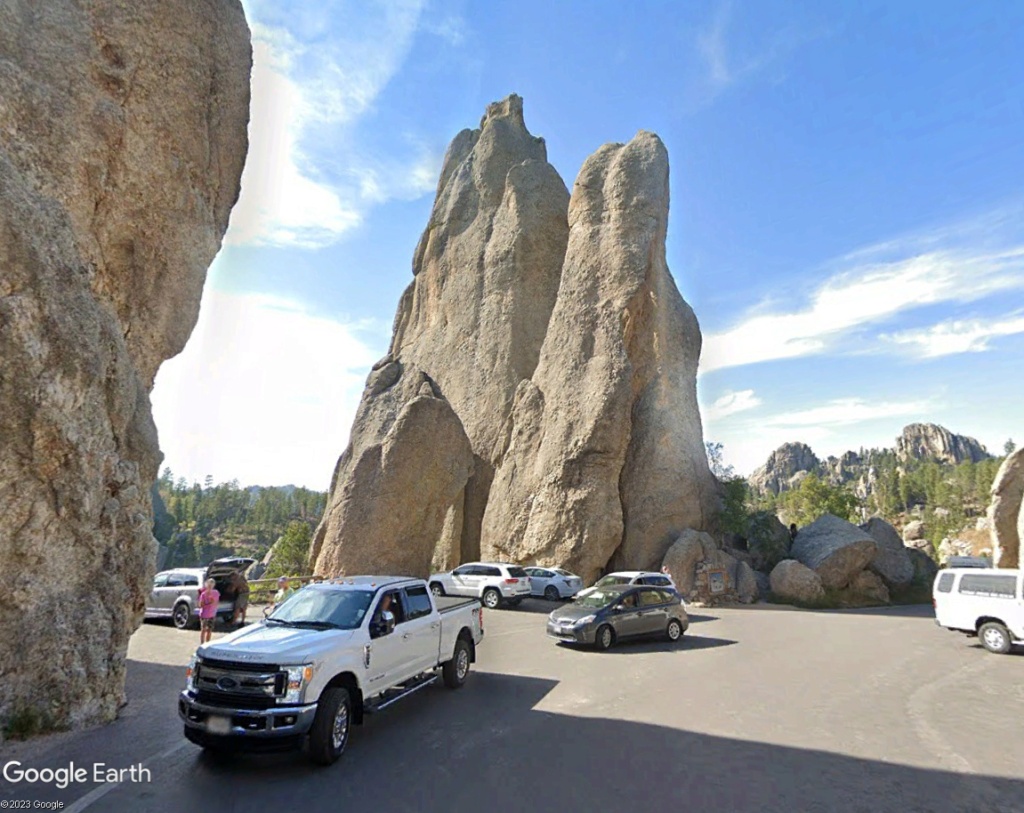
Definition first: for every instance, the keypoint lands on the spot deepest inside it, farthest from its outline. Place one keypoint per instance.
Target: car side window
(418, 602)
(660, 581)
(465, 570)
(945, 584)
(490, 571)
(160, 581)
(650, 598)
(175, 580)
(990, 586)
(190, 581)
(628, 602)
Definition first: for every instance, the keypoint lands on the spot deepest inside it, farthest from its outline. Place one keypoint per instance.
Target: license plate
(218, 725)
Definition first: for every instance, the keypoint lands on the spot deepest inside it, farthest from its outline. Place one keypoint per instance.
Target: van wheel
(492, 598)
(436, 589)
(182, 616)
(994, 637)
(456, 670)
(329, 734)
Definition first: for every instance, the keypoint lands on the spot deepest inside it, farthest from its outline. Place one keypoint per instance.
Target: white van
(982, 602)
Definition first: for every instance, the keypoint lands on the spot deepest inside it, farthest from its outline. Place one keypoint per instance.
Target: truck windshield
(330, 609)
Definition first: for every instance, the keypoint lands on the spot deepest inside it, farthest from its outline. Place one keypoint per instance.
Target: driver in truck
(386, 608)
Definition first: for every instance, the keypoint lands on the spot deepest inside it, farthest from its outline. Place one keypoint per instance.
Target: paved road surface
(759, 709)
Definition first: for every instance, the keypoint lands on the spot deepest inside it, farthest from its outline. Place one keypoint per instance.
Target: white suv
(494, 583)
(636, 577)
(982, 602)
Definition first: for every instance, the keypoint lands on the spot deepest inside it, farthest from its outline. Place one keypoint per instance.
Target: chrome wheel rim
(435, 589)
(994, 638)
(673, 631)
(180, 617)
(340, 732)
(606, 637)
(491, 600)
(462, 664)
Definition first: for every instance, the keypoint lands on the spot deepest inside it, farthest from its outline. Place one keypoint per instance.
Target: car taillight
(511, 581)
(480, 612)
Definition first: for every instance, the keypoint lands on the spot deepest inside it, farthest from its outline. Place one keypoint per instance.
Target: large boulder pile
(124, 135)
(1005, 514)
(552, 330)
(892, 559)
(835, 549)
(706, 574)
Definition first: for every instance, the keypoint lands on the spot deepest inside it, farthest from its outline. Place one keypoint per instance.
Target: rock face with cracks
(124, 137)
(1005, 514)
(605, 457)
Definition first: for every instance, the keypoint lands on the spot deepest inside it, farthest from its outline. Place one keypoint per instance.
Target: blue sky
(847, 214)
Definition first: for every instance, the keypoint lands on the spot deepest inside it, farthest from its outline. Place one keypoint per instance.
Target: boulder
(891, 561)
(866, 588)
(767, 540)
(485, 276)
(792, 581)
(684, 554)
(925, 567)
(124, 135)
(835, 549)
(406, 466)
(746, 583)
(605, 454)
(1006, 519)
(914, 532)
(764, 584)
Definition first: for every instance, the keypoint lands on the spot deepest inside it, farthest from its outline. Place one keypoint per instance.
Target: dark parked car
(175, 593)
(604, 615)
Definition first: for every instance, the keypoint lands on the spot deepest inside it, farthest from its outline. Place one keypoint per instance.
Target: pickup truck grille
(238, 667)
(239, 685)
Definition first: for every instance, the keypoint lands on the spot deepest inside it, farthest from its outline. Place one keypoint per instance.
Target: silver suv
(175, 593)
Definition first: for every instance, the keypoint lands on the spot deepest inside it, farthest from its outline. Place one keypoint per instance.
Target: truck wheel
(182, 616)
(551, 593)
(674, 630)
(994, 637)
(492, 598)
(456, 670)
(329, 734)
(436, 588)
(605, 637)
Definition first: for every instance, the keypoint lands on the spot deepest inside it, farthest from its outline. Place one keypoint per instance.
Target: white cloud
(844, 412)
(731, 403)
(265, 391)
(317, 88)
(956, 336)
(866, 294)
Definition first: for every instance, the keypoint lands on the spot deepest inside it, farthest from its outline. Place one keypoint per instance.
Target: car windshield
(325, 609)
(597, 598)
(610, 580)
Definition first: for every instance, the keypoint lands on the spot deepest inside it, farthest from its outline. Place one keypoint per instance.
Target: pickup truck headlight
(190, 674)
(298, 680)
(585, 620)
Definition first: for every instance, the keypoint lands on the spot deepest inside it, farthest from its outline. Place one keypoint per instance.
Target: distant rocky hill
(791, 462)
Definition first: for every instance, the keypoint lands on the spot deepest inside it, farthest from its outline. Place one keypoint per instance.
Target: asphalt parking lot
(759, 708)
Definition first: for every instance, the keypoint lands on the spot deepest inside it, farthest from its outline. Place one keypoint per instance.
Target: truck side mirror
(385, 625)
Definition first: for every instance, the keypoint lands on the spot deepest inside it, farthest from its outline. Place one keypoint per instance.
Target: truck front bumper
(220, 724)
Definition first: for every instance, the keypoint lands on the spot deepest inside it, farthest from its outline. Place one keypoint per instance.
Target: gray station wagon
(604, 615)
(175, 593)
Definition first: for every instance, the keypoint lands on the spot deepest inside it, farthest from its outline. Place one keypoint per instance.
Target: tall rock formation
(605, 456)
(473, 320)
(928, 441)
(1006, 511)
(124, 135)
(777, 474)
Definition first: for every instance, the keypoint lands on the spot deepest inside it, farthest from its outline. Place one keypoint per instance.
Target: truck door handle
(433, 626)
(405, 636)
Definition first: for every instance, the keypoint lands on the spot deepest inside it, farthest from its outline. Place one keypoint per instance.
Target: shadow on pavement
(489, 746)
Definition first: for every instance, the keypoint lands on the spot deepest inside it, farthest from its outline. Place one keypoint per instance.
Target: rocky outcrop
(406, 466)
(891, 561)
(605, 453)
(792, 581)
(834, 549)
(785, 463)
(747, 587)
(865, 589)
(914, 534)
(124, 135)
(1006, 519)
(925, 567)
(486, 273)
(928, 441)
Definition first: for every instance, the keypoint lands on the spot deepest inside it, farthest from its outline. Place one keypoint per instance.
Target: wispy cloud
(956, 336)
(845, 412)
(315, 77)
(728, 61)
(868, 288)
(265, 390)
(732, 403)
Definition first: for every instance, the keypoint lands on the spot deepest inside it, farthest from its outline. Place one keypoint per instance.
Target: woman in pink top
(209, 598)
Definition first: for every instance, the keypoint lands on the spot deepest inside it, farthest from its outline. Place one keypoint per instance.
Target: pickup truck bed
(447, 604)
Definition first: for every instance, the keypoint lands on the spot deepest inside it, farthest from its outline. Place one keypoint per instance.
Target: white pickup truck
(330, 654)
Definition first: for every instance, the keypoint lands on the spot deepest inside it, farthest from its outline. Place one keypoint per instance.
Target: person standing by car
(209, 598)
(240, 585)
(284, 592)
